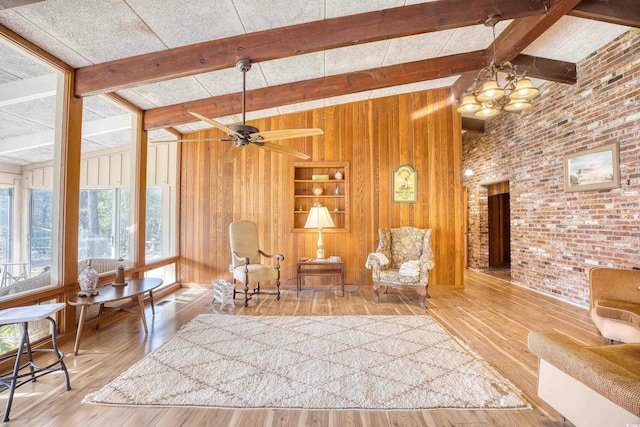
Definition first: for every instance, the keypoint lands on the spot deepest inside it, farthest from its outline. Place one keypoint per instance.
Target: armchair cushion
(257, 273)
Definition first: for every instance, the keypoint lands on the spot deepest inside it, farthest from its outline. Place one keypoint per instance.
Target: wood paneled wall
(374, 136)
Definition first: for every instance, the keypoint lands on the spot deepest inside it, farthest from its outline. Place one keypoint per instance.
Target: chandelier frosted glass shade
(516, 105)
(524, 90)
(490, 91)
(469, 105)
(488, 110)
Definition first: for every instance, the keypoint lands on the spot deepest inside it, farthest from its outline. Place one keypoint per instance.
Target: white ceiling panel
(295, 68)
(15, 21)
(10, 160)
(260, 114)
(112, 139)
(41, 110)
(229, 80)
(136, 99)
(302, 106)
(102, 107)
(102, 30)
(33, 155)
(183, 128)
(415, 48)
(573, 39)
(173, 91)
(12, 126)
(159, 134)
(199, 21)
(337, 8)
(468, 39)
(20, 66)
(355, 58)
(258, 15)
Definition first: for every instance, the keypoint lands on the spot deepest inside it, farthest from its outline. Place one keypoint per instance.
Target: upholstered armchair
(615, 303)
(247, 257)
(399, 246)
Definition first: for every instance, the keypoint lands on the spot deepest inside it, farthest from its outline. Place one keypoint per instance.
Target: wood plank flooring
(492, 316)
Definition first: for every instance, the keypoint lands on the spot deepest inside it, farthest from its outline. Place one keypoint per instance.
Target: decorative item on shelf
(318, 191)
(337, 192)
(486, 97)
(319, 218)
(119, 281)
(300, 207)
(335, 258)
(88, 280)
(338, 175)
(335, 209)
(319, 177)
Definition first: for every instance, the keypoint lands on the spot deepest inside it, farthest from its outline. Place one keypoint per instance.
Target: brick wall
(556, 237)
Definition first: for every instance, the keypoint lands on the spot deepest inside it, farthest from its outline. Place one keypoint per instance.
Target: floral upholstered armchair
(403, 259)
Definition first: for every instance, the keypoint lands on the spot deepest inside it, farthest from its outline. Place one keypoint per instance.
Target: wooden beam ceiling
(522, 32)
(295, 40)
(621, 12)
(547, 69)
(320, 88)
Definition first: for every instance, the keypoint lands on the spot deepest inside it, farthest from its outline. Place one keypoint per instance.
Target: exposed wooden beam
(476, 125)
(621, 12)
(296, 40)
(10, 4)
(291, 93)
(547, 69)
(320, 88)
(522, 32)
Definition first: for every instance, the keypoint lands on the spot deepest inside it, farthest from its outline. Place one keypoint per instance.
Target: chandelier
(486, 98)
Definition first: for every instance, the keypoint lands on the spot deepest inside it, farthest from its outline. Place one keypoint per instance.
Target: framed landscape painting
(595, 169)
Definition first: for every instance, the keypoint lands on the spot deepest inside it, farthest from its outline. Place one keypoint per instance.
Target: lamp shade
(319, 217)
(488, 110)
(491, 91)
(516, 105)
(469, 105)
(524, 90)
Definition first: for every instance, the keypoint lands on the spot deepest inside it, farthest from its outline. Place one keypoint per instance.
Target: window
(6, 224)
(154, 215)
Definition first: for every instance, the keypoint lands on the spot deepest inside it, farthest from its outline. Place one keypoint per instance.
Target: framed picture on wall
(405, 184)
(594, 169)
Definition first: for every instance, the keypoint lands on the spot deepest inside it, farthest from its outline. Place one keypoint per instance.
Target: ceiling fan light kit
(486, 98)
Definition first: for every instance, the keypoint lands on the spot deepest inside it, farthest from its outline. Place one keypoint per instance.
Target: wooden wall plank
(374, 136)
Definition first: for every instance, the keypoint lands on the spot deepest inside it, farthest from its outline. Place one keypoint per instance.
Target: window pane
(41, 222)
(96, 224)
(125, 231)
(153, 241)
(6, 203)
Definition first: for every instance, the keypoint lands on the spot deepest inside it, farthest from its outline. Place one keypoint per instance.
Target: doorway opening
(499, 230)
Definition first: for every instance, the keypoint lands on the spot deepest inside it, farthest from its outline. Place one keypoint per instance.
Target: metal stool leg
(54, 343)
(16, 369)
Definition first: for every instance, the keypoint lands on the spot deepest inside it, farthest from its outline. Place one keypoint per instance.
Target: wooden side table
(319, 268)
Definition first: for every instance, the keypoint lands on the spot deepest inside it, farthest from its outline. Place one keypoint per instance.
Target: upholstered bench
(590, 386)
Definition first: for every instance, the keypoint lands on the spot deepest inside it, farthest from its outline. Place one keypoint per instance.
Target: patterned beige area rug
(312, 362)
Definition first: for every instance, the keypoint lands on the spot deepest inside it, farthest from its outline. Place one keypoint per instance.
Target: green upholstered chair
(247, 259)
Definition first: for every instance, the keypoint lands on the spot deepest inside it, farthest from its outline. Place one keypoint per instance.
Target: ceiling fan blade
(282, 150)
(272, 135)
(232, 153)
(215, 124)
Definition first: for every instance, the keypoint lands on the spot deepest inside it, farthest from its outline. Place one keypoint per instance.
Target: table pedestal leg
(83, 316)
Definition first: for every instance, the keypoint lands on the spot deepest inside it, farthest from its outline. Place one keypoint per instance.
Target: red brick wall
(556, 237)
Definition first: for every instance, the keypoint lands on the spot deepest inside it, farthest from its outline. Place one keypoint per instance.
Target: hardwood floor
(492, 316)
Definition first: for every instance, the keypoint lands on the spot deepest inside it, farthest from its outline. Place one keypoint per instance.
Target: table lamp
(319, 218)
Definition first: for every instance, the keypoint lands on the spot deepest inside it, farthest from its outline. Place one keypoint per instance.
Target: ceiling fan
(243, 134)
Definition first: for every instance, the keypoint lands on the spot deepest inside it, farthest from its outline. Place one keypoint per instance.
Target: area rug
(312, 362)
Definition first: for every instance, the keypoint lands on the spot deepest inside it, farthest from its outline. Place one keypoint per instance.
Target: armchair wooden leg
(278, 289)
(376, 292)
(246, 295)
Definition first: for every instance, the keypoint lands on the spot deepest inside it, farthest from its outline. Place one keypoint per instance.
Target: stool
(23, 315)
(224, 292)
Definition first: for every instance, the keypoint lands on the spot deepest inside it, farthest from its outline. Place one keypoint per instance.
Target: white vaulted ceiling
(82, 33)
